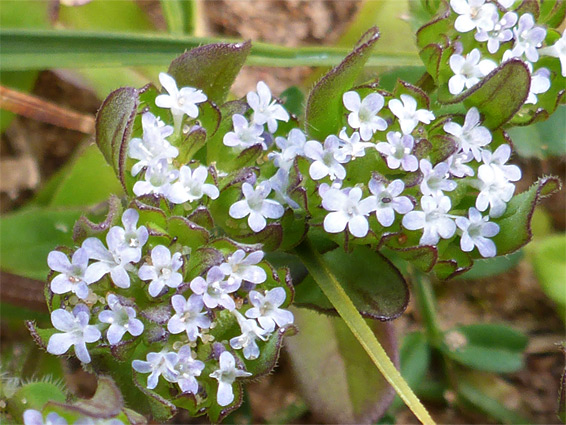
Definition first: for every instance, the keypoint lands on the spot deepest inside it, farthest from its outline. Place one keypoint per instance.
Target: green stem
(424, 296)
(346, 309)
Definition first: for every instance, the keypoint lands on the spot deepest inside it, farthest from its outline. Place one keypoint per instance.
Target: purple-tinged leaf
(336, 377)
(201, 216)
(423, 257)
(85, 228)
(324, 109)
(529, 6)
(161, 409)
(191, 144)
(187, 233)
(211, 68)
(441, 24)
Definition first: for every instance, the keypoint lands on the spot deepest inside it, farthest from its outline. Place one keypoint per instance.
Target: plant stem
(316, 266)
(424, 296)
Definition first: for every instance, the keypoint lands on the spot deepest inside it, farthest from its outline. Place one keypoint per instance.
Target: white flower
(247, 340)
(397, 151)
(130, 235)
(256, 206)
(188, 368)
(475, 232)
(181, 102)
(528, 38)
(347, 210)
(153, 146)
(191, 186)
(158, 364)
(435, 180)
(72, 277)
(188, 316)
(245, 135)
(433, 219)
(266, 309)
(363, 113)
(495, 191)
(557, 50)
(496, 162)
(540, 83)
(265, 110)
(226, 374)
(473, 14)
(122, 319)
(351, 147)
(457, 164)
(158, 179)
(468, 70)
(506, 3)
(471, 137)
(280, 184)
(238, 268)
(387, 200)
(325, 162)
(215, 289)
(116, 260)
(407, 113)
(35, 417)
(500, 34)
(76, 332)
(291, 147)
(162, 271)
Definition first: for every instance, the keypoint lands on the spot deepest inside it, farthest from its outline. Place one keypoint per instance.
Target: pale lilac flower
(495, 191)
(291, 147)
(91, 421)
(265, 110)
(215, 289)
(162, 271)
(72, 277)
(226, 374)
(325, 162)
(116, 260)
(158, 179)
(130, 235)
(158, 364)
(398, 151)
(496, 162)
(76, 332)
(181, 102)
(473, 14)
(35, 417)
(247, 340)
(256, 206)
(245, 135)
(347, 209)
(408, 115)
(457, 164)
(540, 83)
(387, 200)
(435, 180)
(475, 232)
(471, 137)
(501, 32)
(433, 219)
(188, 368)
(191, 186)
(266, 309)
(280, 184)
(153, 145)
(528, 37)
(240, 267)
(189, 316)
(121, 318)
(468, 70)
(351, 147)
(363, 113)
(557, 50)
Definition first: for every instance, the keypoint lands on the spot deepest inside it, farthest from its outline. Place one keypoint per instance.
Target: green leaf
(542, 139)
(27, 236)
(114, 122)
(487, 347)
(34, 395)
(42, 49)
(492, 266)
(515, 224)
(498, 96)
(549, 263)
(336, 377)
(211, 68)
(294, 100)
(324, 105)
(376, 287)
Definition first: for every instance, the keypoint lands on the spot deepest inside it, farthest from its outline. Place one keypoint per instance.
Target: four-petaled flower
(398, 151)
(347, 209)
(247, 340)
(215, 290)
(245, 134)
(265, 110)
(468, 70)
(407, 113)
(76, 332)
(72, 277)
(326, 160)
(475, 232)
(387, 200)
(240, 267)
(121, 318)
(266, 309)
(191, 186)
(162, 271)
(433, 219)
(226, 374)
(471, 137)
(256, 205)
(363, 113)
(158, 364)
(189, 316)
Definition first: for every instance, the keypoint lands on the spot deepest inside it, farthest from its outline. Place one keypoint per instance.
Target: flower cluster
(501, 34)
